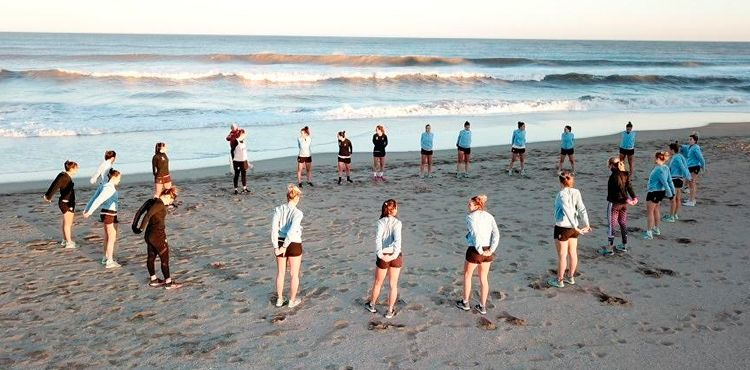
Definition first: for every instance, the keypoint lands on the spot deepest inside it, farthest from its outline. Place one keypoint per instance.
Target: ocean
(73, 96)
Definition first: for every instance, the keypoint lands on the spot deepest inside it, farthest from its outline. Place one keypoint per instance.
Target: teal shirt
(628, 140)
(660, 179)
(519, 138)
(567, 140)
(426, 140)
(464, 139)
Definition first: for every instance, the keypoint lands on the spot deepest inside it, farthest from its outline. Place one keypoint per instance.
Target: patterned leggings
(617, 214)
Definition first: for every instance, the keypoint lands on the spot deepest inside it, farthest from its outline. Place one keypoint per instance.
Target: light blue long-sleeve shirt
(483, 231)
(105, 196)
(519, 139)
(694, 155)
(388, 237)
(426, 140)
(464, 139)
(569, 209)
(567, 140)
(660, 179)
(678, 167)
(287, 224)
(628, 140)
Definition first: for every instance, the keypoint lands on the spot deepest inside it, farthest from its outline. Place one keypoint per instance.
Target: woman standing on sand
(102, 173)
(426, 141)
(240, 164)
(679, 170)
(154, 223)
(463, 146)
(389, 259)
(518, 148)
(569, 209)
(108, 198)
(380, 141)
(67, 202)
(344, 161)
(619, 194)
(695, 163)
(160, 169)
(483, 238)
(286, 238)
(304, 158)
(567, 148)
(660, 186)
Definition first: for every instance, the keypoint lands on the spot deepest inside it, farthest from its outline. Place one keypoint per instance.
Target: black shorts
(378, 154)
(564, 233)
(464, 150)
(570, 151)
(108, 218)
(624, 151)
(398, 262)
(426, 152)
(656, 196)
(293, 250)
(304, 159)
(694, 169)
(66, 207)
(472, 256)
(677, 183)
(518, 150)
(163, 179)
(345, 160)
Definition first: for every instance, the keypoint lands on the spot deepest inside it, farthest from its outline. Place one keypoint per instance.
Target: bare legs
(158, 188)
(462, 161)
(652, 215)
(378, 166)
(377, 284)
(571, 158)
(293, 263)
(425, 165)
(567, 254)
(676, 204)
(484, 282)
(67, 226)
(110, 237)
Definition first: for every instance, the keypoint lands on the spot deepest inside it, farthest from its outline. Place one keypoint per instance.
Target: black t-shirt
(160, 165)
(64, 184)
(380, 142)
(345, 148)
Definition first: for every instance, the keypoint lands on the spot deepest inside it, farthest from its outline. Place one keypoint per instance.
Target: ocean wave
(169, 94)
(582, 78)
(355, 60)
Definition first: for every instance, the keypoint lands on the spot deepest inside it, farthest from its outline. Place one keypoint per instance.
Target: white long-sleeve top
(303, 142)
(101, 172)
(569, 208)
(240, 152)
(388, 237)
(105, 196)
(483, 231)
(287, 224)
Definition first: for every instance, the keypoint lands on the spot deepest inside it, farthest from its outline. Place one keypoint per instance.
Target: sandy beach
(679, 301)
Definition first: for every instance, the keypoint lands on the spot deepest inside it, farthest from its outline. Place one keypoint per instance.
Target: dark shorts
(656, 196)
(564, 233)
(108, 218)
(472, 256)
(293, 250)
(426, 152)
(163, 179)
(694, 169)
(570, 151)
(378, 154)
(397, 263)
(345, 160)
(304, 159)
(464, 150)
(240, 166)
(678, 183)
(66, 207)
(518, 150)
(624, 151)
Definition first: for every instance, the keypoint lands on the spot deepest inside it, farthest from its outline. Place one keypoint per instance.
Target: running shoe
(70, 245)
(294, 303)
(621, 248)
(430, 175)
(339, 181)
(689, 203)
(382, 178)
(299, 185)
(236, 191)
(463, 305)
(279, 301)
(172, 285)
(110, 264)
(676, 217)
(245, 190)
(656, 231)
(466, 175)
(63, 242)
(510, 172)
(604, 251)
(103, 261)
(156, 283)
(646, 235)
(390, 314)
(481, 309)
(310, 183)
(458, 175)
(553, 282)
(349, 180)
(570, 280)
(668, 218)
(370, 307)
(523, 172)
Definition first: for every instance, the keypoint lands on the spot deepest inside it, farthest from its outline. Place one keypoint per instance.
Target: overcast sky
(709, 20)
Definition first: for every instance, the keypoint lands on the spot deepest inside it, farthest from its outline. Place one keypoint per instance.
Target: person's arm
(629, 188)
(295, 230)
(374, 141)
(275, 229)
(99, 172)
(666, 180)
(573, 140)
(569, 206)
(147, 217)
(684, 169)
(699, 154)
(495, 237)
(471, 236)
(154, 160)
(458, 139)
(385, 143)
(396, 245)
(55, 186)
(581, 210)
(379, 240)
(106, 193)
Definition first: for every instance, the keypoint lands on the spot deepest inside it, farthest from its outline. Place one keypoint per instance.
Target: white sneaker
(295, 303)
(279, 301)
(689, 204)
(70, 245)
(111, 264)
(62, 242)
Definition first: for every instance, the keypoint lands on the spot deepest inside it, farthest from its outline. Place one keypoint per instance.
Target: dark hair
(381, 128)
(569, 128)
(467, 124)
(158, 147)
(520, 123)
(427, 125)
(629, 124)
(388, 207)
(69, 165)
(113, 172)
(567, 178)
(342, 134)
(172, 192)
(674, 147)
(661, 155)
(109, 154)
(695, 137)
(306, 130)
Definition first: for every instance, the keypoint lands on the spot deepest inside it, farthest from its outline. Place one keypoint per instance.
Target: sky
(683, 20)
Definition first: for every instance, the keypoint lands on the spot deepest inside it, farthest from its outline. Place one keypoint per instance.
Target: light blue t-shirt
(426, 140)
(519, 139)
(464, 139)
(694, 155)
(678, 167)
(567, 140)
(628, 140)
(660, 179)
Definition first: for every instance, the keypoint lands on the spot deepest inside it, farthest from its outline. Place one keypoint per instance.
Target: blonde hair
(292, 192)
(480, 201)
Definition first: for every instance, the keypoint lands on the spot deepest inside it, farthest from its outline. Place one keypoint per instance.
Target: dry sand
(679, 301)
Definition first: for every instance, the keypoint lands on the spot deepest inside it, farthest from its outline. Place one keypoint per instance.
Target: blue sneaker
(621, 248)
(553, 282)
(604, 251)
(647, 235)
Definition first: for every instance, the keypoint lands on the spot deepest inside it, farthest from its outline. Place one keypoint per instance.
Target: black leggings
(239, 169)
(157, 246)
